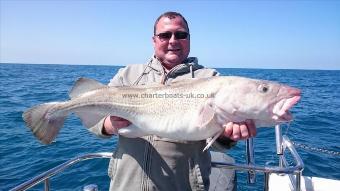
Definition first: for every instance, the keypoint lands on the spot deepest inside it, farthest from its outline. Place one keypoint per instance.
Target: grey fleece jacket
(151, 162)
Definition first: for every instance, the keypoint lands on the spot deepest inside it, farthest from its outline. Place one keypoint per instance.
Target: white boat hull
(282, 182)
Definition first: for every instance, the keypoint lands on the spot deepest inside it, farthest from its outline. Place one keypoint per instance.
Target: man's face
(171, 52)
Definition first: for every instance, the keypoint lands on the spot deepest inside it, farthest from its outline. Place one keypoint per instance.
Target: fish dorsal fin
(186, 81)
(84, 85)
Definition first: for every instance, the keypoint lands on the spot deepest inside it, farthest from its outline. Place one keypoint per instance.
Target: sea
(315, 129)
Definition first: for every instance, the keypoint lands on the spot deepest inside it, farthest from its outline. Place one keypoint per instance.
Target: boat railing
(282, 144)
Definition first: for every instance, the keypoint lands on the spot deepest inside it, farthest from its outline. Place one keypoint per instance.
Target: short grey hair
(170, 15)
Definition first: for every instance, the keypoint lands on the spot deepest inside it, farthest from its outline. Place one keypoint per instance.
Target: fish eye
(263, 88)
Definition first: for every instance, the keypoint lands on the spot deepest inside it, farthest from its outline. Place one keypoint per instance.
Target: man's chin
(173, 59)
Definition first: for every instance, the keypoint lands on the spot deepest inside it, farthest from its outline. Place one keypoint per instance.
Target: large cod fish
(193, 109)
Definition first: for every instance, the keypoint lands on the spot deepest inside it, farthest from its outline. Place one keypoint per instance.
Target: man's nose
(172, 38)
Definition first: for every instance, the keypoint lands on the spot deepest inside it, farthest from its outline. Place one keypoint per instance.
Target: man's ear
(154, 41)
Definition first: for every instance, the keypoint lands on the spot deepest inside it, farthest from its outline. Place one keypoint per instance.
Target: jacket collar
(189, 65)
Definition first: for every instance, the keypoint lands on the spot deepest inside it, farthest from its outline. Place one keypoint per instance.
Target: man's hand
(239, 131)
(113, 123)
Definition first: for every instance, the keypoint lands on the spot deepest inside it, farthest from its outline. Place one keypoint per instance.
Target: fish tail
(42, 123)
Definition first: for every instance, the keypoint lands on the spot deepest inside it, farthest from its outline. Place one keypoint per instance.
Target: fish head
(266, 103)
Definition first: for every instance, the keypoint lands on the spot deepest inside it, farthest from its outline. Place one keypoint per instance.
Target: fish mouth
(281, 109)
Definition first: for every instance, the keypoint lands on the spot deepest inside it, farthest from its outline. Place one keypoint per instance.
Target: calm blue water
(22, 156)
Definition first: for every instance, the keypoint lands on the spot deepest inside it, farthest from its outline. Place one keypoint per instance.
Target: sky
(224, 34)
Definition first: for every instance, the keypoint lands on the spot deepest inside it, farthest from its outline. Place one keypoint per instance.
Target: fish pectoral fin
(210, 141)
(206, 114)
(84, 85)
(131, 131)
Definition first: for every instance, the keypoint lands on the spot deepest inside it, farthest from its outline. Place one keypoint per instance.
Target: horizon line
(140, 63)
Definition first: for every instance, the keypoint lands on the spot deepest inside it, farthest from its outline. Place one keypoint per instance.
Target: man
(156, 163)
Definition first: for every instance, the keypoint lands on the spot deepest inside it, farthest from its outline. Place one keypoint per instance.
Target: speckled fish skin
(185, 110)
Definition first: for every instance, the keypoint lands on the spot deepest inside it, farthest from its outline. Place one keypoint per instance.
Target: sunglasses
(179, 35)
